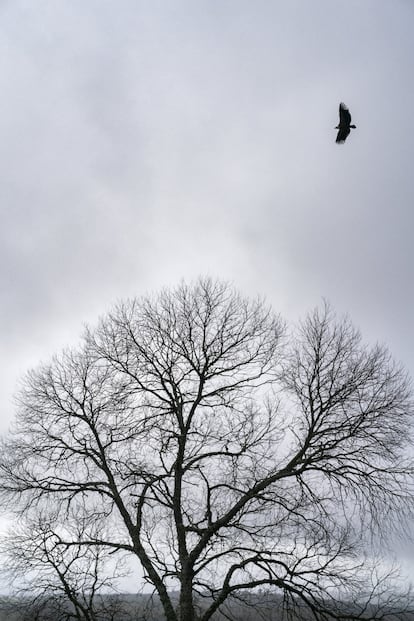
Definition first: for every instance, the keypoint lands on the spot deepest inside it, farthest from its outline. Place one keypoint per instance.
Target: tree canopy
(224, 452)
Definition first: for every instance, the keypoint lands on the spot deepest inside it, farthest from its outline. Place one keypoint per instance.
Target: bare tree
(232, 456)
(53, 580)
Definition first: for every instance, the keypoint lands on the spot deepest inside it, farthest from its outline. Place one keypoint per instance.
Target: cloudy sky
(143, 142)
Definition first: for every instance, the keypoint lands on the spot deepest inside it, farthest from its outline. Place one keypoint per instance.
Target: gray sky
(147, 141)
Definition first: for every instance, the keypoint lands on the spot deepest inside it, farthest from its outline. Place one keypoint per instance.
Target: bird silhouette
(344, 125)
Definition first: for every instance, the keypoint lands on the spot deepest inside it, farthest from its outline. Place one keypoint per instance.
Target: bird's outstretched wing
(344, 115)
(342, 134)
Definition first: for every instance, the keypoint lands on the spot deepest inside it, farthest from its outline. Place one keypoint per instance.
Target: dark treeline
(129, 607)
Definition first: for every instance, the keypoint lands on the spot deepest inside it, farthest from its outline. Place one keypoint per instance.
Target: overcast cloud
(143, 142)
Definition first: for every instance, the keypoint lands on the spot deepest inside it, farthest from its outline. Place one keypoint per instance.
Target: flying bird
(344, 126)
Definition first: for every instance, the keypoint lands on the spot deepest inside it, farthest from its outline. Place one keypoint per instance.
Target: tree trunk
(186, 610)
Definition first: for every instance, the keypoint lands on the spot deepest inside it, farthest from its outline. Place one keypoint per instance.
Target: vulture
(344, 126)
